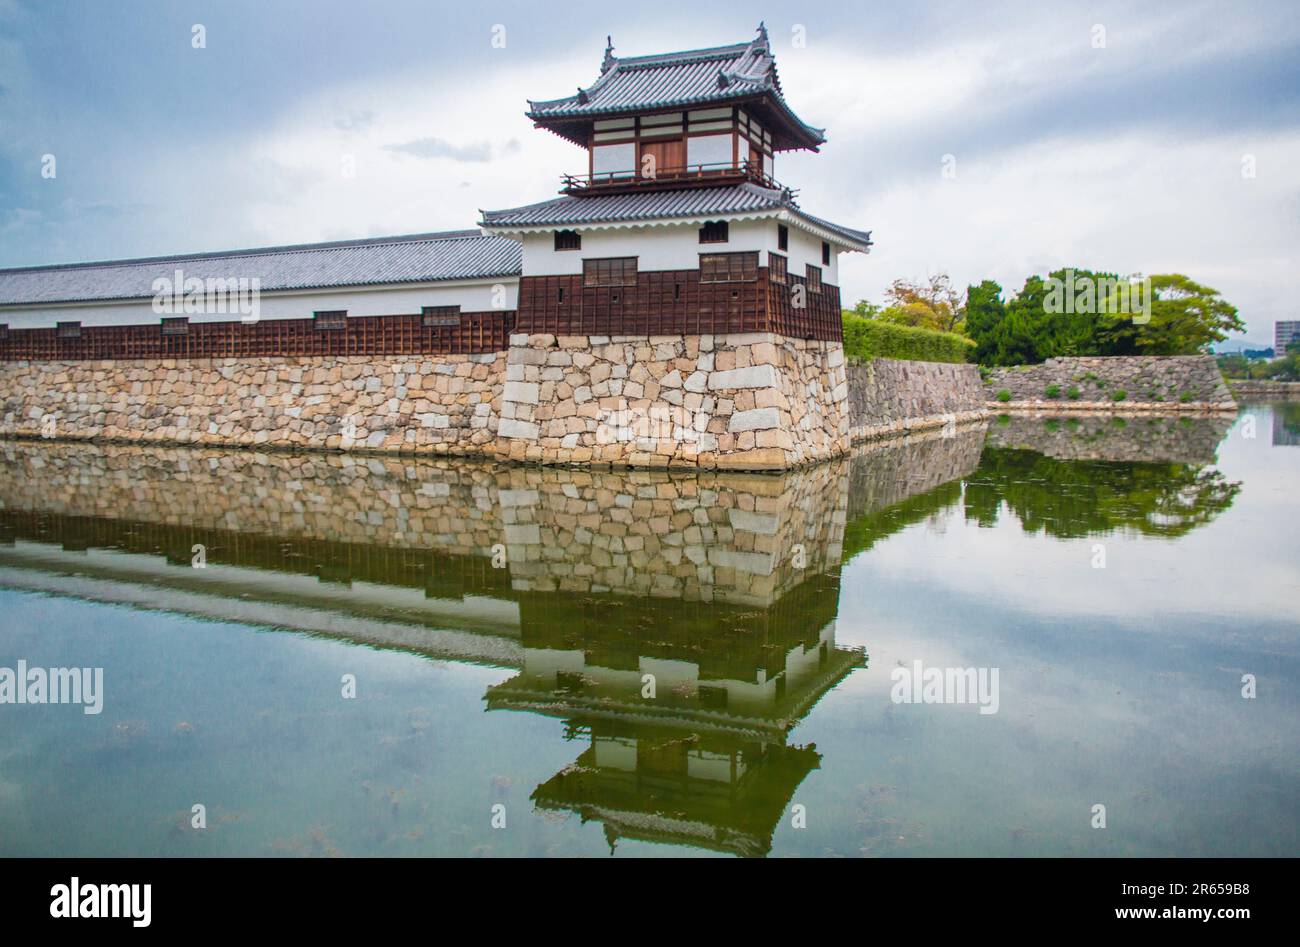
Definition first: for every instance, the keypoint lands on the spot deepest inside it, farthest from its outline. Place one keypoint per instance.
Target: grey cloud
(478, 151)
(1099, 94)
(357, 120)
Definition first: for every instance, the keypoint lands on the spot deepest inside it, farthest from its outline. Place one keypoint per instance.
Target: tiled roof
(698, 77)
(415, 258)
(662, 205)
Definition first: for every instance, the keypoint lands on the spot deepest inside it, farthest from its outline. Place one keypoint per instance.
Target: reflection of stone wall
(708, 538)
(442, 404)
(743, 402)
(727, 537)
(1284, 390)
(887, 396)
(896, 470)
(381, 501)
(1167, 383)
(1184, 439)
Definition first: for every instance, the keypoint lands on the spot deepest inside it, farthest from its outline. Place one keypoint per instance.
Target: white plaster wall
(670, 247)
(806, 248)
(378, 301)
(673, 247)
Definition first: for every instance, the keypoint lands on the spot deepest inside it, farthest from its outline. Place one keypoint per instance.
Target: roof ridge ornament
(723, 79)
(762, 41)
(582, 96)
(608, 62)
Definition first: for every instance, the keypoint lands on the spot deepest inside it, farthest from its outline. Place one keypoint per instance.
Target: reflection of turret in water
(722, 794)
(686, 707)
(707, 665)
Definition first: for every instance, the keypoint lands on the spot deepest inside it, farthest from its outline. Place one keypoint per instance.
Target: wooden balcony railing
(704, 175)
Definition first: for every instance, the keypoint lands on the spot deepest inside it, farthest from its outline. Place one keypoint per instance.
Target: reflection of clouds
(1203, 574)
(1117, 709)
(1132, 672)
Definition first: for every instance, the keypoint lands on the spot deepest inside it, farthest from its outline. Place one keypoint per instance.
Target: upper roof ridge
(429, 237)
(691, 78)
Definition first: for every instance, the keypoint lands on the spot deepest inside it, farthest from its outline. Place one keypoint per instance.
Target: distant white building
(1285, 334)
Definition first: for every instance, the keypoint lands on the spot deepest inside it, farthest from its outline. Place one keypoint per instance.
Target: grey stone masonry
(888, 396)
(738, 402)
(1150, 382)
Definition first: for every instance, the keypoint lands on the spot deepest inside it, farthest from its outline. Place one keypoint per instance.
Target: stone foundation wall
(1178, 383)
(442, 404)
(746, 402)
(888, 396)
(757, 401)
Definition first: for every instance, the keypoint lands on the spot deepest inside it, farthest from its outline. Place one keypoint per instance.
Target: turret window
(326, 320)
(609, 271)
(431, 316)
(826, 253)
(814, 278)
(728, 267)
(568, 240)
(715, 231)
(776, 268)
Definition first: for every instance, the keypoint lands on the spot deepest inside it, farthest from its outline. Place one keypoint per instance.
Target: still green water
(501, 624)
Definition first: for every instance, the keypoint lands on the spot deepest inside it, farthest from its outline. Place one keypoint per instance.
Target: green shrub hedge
(865, 339)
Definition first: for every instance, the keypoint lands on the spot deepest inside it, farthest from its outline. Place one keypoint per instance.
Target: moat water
(369, 656)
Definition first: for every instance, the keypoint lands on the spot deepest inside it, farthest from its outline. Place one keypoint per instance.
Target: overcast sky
(1125, 157)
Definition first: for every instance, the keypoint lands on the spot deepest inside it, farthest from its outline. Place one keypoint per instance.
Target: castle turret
(713, 114)
(678, 234)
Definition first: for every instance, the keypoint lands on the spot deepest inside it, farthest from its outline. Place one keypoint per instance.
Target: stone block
(754, 376)
(754, 420)
(512, 428)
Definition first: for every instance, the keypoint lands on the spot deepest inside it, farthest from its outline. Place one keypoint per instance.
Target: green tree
(866, 309)
(1286, 368)
(1234, 366)
(1077, 312)
(1024, 338)
(1187, 318)
(985, 313)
